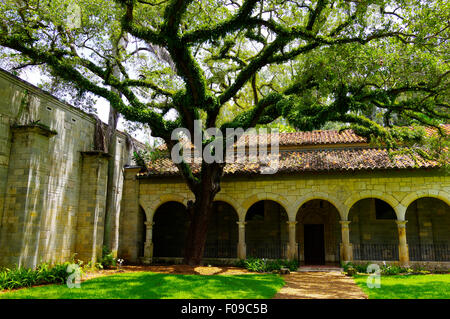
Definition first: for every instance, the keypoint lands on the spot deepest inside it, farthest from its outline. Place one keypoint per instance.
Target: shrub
(255, 264)
(291, 264)
(26, 277)
(358, 268)
(388, 270)
(264, 265)
(392, 270)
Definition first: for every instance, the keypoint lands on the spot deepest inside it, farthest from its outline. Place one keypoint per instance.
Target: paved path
(319, 285)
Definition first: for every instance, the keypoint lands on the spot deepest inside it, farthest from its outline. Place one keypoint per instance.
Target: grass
(408, 287)
(147, 285)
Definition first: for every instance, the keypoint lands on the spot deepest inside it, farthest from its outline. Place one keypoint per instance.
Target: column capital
(345, 222)
(149, 224)
(34, 128)
(291, 223)
(130, 172)
(241, 223)
(401, 223)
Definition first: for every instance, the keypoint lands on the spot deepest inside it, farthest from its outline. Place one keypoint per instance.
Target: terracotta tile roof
(323, 137)
(326, 158)
(311, 160)
(306, 138)
(432, 131)
(320, 137)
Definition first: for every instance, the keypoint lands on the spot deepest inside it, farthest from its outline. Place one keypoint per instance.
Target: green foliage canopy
(374, 65)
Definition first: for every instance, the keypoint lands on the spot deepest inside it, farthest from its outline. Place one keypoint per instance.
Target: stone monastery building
(334, 198)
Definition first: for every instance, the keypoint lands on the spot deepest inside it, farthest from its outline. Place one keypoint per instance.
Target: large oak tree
(376, 66)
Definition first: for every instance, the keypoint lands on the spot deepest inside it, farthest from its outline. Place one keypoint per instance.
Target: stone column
(346, 246)
(403, 254)
(22, 236)
(91, 207)
(118, 150)
(129, 221)
(292, 246)
(241, 249)
(148, 247)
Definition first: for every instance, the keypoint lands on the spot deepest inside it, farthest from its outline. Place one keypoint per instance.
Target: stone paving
(319, 285)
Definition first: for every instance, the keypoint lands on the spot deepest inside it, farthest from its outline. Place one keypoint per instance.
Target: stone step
(320, 268)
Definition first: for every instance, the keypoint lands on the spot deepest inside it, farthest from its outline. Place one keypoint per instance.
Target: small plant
(264, 265)
(90, 266)
(392, 270)
(107, 260)
(355, 268)
(119, 263)
(292, 265)
(423, 272)
(351, 271)
(255, 264)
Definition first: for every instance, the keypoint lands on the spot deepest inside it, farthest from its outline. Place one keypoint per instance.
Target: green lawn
(408, 287)
(147, 285)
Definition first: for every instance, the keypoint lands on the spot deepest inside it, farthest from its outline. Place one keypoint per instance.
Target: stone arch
(150, 207)
(410, 198)
(222, 234)
(146, 208)
(353, 199)
(318, 231)
(341, 208)
(249, 201)
(266, 230)
(373, 228)
(230, 201)
(427, 229)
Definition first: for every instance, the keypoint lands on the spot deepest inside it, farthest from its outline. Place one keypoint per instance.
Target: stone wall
(44, 179)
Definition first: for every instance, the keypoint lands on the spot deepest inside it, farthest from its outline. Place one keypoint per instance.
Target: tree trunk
(110, 240)
(199, 213)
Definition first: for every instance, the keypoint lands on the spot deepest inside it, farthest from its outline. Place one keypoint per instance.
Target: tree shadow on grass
(160, 286)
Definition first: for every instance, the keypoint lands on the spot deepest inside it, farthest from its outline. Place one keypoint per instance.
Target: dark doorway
(169, 231)
(314, 244)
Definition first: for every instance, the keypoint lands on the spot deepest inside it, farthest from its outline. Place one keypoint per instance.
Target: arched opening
(373, 230)
(427, 230)
(318, 233)
(141, 231)
(222, 237)
(266, 232)
(169, 230)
